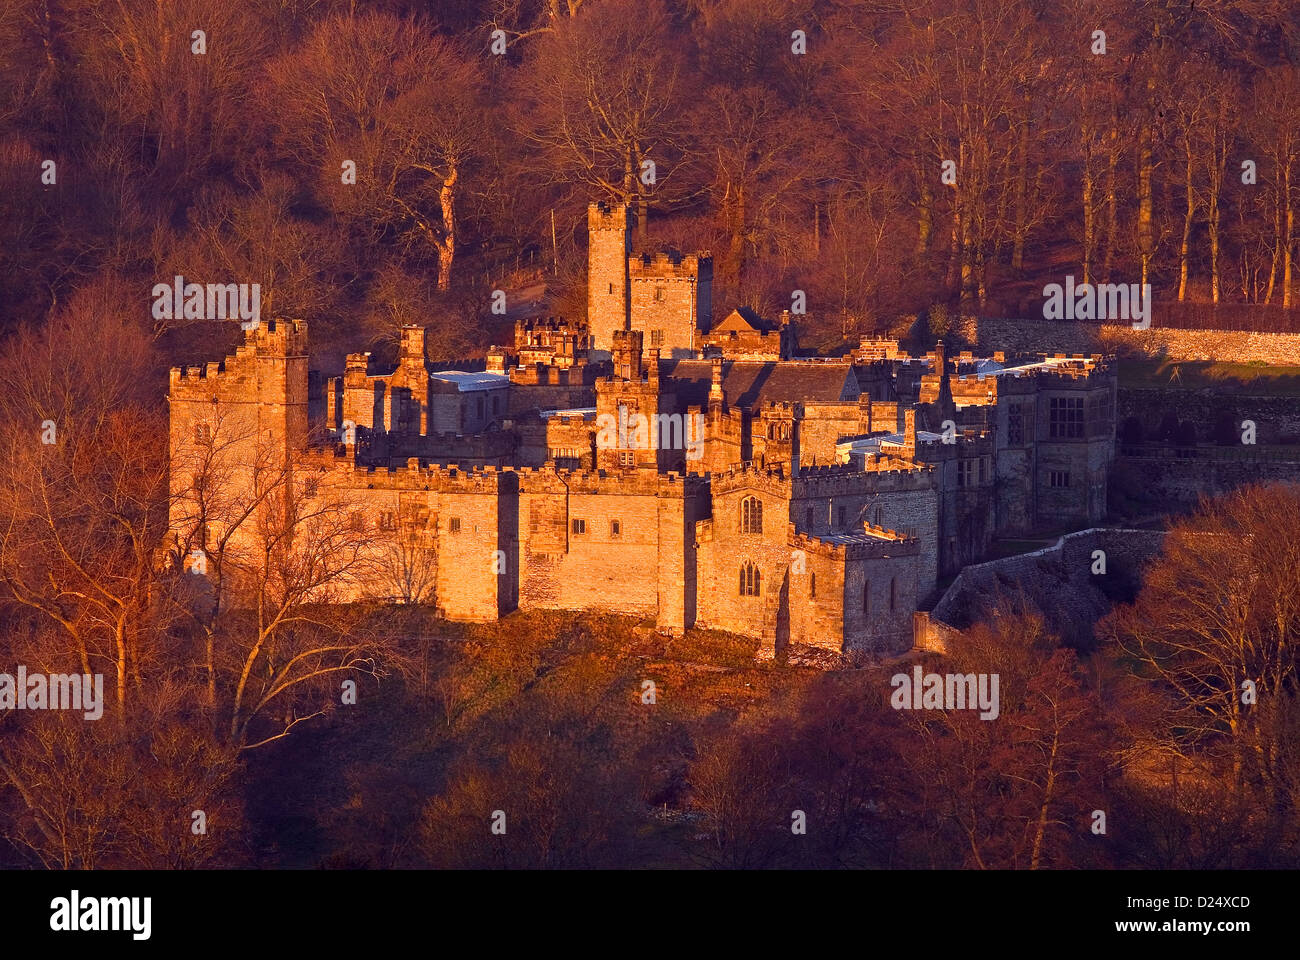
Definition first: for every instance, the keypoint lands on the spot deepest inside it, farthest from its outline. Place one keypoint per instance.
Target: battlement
(878, 348)
(343, 471)
(749, 475)
(872, 543)
(277, 339)
(550, 325)
(546, 374)
(603, 215)
(205, 371)
(668, 265)
(636, 483)
(782, 408)
(841, 480)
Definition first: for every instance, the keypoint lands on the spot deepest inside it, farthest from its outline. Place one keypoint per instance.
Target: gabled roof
(747, 383)
(743, 320)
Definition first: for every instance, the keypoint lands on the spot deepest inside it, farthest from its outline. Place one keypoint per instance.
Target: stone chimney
(354, 369)
(909, 433)
(715, 388)
(412, 352)
(498, 360)
(652, 365)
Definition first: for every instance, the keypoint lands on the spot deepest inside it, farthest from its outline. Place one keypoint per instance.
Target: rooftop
(466, 381)
(748, 383)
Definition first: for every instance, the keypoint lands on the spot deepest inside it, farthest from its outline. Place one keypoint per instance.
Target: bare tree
(402, 107)
(603, 97)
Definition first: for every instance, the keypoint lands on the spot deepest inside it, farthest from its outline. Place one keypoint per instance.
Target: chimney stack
(412, 345)
(909, 433)
(715, 388)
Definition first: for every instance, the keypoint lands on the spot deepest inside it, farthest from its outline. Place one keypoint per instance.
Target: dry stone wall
(1051, 336)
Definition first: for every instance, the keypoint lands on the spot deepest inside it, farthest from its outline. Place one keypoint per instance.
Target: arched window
(751, 515)
(866, 597)
(751, 580)
(893, 593)
(812, 584)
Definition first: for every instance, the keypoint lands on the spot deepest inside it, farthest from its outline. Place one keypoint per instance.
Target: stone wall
(1276, 418)
(905, 500)
(1174, 482)
(825, 422)
(669, 300)
(589, 541)
(931, 635)
(1052, 336)
(1058, 580)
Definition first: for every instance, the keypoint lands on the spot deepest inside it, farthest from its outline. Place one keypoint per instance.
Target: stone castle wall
(1053, 336)
(1182, 482)
(671, 299)
(1056, 579)
(1276, 418)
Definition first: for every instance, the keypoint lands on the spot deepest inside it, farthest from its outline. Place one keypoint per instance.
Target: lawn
(1253, 378)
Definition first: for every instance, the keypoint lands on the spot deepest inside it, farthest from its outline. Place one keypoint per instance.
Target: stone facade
(775, 498)
(743, 333)
(609, 246)
(667, 296)
(810, 502)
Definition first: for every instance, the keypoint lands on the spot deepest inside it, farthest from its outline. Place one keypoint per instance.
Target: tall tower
(608, 246)
(237, 425)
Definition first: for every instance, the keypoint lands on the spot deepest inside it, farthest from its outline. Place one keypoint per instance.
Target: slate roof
(843, 539)
(747, 383)
(466, 381)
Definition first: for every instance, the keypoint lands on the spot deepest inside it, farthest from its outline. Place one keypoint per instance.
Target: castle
(644, 464)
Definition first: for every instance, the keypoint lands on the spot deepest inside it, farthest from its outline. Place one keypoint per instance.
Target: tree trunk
(954, 250)
(1112, 199)
(1184, 249)
(1022, 196)
(1089, 221)
(1286, 237)
(1048, 789)
(120, 639)
(925, 218)
(447, 248)
(1277, 248)
(1214, 243)
(1146, 238)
